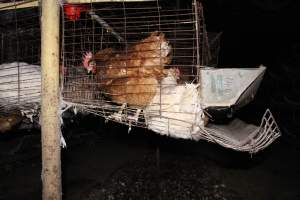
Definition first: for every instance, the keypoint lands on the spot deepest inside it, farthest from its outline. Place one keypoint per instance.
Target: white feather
(175, 110)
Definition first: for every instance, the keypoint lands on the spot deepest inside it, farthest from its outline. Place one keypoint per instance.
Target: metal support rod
(198, 62)
(2, 47)
(105, 25)
(50, 124)
(157, 157)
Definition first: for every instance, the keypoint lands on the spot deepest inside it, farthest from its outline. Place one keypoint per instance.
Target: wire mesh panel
(118, 55)
(20, 72)
(137, 63)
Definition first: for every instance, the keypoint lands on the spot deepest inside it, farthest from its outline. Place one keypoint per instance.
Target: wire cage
(118, 55)
(137, 63)
(20, 72)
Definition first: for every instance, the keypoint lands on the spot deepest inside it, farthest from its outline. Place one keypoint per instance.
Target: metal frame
(35, 3)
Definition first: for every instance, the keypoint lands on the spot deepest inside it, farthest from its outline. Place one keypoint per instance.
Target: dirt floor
(104, 162)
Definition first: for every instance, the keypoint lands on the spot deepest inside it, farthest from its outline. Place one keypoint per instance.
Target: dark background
(262, 32)
(255, 31)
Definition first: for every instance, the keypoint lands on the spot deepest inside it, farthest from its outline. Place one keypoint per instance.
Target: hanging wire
(17, 49)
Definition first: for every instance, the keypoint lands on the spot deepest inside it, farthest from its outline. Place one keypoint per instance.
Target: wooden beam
(50, 103)
(102, 1)
(35, 3)
(17, 5)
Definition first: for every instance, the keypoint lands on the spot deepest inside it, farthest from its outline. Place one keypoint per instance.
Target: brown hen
(132, 76)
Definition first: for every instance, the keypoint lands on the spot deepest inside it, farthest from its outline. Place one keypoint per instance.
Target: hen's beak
(91, 71)
(92, 67)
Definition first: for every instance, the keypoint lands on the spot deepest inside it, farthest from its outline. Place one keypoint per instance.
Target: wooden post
(51, 158)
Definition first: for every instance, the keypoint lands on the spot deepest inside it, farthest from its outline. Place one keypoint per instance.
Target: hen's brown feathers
(133, 75)
(136, 92)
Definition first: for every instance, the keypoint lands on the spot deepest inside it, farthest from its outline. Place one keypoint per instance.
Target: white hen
(20, 86)
(20, 83)
(175, 109)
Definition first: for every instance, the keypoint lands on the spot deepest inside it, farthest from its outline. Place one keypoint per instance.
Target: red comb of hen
(86, 59)
(88, 63)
